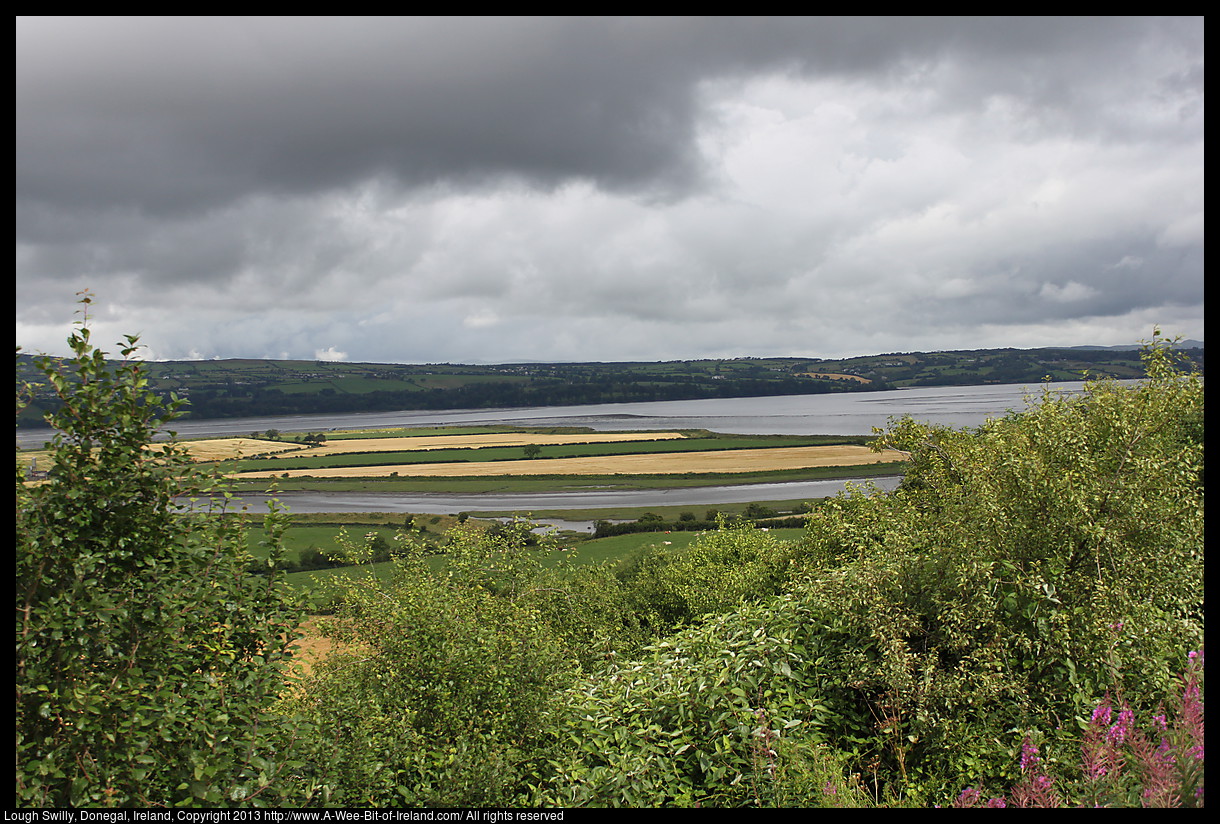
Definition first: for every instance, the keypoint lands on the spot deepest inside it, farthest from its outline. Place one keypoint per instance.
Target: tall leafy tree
(146, 652)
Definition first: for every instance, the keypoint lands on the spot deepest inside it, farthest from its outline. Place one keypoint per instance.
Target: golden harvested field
(212, 449)
(475, 441)
(220, 449)
(725, 461)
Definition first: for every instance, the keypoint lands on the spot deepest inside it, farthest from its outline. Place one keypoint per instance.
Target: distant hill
(1182, 344)
(245, 388)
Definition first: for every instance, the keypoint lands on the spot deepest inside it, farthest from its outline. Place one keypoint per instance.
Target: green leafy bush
(145, 653)
(1121, 764)
(436, 693)
(691, 719)
(718, 571)
(1021, 571)
(591, 614)
(986, 596)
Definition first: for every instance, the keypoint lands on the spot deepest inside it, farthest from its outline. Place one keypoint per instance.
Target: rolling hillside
(239, 388)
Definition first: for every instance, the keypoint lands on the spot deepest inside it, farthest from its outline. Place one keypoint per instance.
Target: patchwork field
(227, 449)
(384, 458)
(431, 442)
(738, 460)
(451, 460)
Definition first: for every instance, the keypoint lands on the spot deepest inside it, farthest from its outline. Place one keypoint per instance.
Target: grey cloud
(431, 188)
(166, 114)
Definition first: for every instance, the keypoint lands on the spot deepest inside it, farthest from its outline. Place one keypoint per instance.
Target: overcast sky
(484, 190)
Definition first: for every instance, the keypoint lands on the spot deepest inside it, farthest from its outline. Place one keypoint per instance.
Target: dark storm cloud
(164, 115)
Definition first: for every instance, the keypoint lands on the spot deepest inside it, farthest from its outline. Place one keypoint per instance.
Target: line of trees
(687, 522)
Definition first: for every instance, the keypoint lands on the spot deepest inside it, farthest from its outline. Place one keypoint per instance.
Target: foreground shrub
(1120, 765)
(1021, 572)
(719, 570)
(436, 693)
(146, 655)
(703, 716)
(984, 596)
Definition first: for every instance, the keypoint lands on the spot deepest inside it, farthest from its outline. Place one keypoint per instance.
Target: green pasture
(620, 547)
(450, 381)
(323, 538)
(322, 530)
(312, 583)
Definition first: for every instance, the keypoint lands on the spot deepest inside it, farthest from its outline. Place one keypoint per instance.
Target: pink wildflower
(968, 798)
(1122, 729)
(1029, 755)
(1037, 788)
